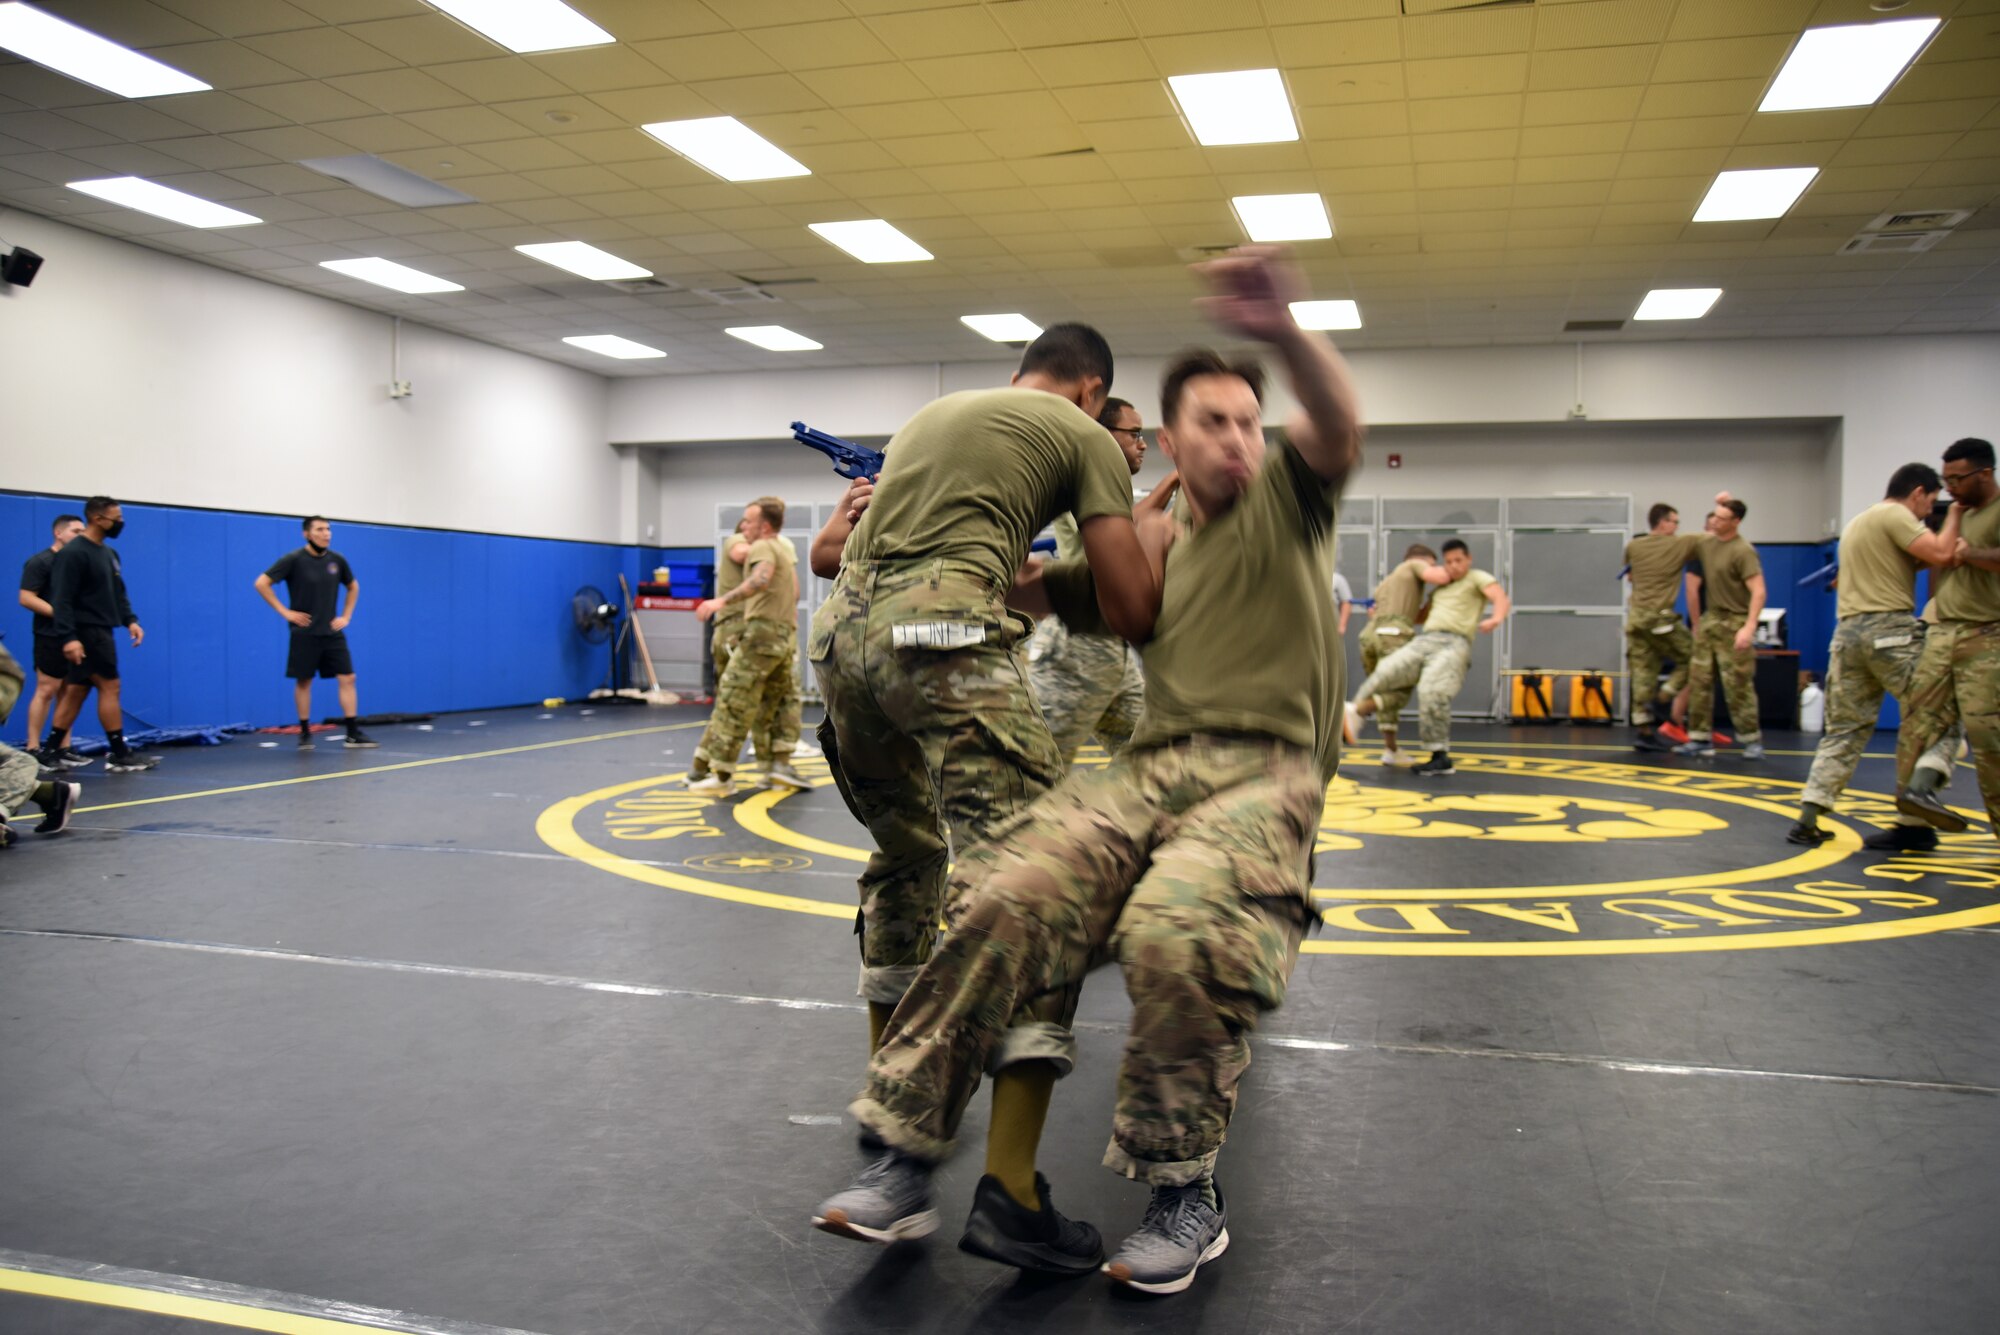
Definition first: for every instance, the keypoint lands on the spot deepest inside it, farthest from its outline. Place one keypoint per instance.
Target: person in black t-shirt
(313, 577)
(48, 662)
(87, 603)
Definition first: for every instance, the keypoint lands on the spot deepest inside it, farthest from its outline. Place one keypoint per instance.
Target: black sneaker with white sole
(130, 762)
(55, 812)
(1903, 839)
(889, 1202)
(1180, 1234)
(1811, 836)
(1001, 1229)
(357, 740)
(1439, 763)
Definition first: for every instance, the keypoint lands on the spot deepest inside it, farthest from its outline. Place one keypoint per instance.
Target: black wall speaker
(19, 266)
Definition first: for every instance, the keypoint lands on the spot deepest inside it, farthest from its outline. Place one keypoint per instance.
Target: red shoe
(1673, 732)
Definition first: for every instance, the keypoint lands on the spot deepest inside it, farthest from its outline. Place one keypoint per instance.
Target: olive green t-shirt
(1459, 607)
(1657, 560)
(974, 476)
(1248, 637)
(1967, 593)
(1877, 572)
(1726, 571)
(777, 601)
(728, 574)
(1401, 591)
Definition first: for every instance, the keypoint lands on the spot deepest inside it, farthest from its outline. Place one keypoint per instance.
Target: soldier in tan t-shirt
(759, 685)
(1654, 631)
(1875, 649)
(1392, 624)
(1732, 578)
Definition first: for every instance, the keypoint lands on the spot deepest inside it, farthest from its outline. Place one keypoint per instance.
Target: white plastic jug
(1812, 708)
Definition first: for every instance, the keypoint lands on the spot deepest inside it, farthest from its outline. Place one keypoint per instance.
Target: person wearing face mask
(87, 603)
(313, 576)
(1187, 858)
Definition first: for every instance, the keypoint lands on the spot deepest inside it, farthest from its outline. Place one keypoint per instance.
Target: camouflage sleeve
(1072, 593)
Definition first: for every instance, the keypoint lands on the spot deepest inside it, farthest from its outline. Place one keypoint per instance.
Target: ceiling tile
(1468, 76)
(1002, 72)
(1600, 67)
(320, 53)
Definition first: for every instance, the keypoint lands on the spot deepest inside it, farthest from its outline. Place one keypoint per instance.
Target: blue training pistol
(849, 460)
(1824, 576)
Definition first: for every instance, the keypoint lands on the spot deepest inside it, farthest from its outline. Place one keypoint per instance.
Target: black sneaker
(7, 835)
(1439, 763)
(358, 740)
(131, 762)
(1651, 741)
(305, 739)
(1903, 839)
(55, 814)
(1930, 811)
(999, 1229)
(69, 759)
(889, 1202)
(1809, 835)
(868, 1140)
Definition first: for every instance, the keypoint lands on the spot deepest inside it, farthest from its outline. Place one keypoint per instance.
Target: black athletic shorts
(318, 656)
(49, 660)
(100, 657)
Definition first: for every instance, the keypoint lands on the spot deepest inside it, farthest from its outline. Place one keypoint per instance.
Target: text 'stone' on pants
(936, 737)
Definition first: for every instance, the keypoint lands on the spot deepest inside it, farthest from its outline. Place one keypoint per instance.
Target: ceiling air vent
(1919, 220)
(738, 296)
(643, 287)
(1593, 326)
(1892, 243)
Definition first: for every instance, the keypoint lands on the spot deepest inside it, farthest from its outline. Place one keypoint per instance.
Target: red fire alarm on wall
(1395, 461)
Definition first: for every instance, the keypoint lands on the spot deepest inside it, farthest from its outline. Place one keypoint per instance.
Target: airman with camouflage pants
(1652, 638)
(1380, 639)
(1435, 664)
(1872, 653)
(1715, 653)
(1956, 682)
(1086, 685)
(1189, 864)
(937, 736)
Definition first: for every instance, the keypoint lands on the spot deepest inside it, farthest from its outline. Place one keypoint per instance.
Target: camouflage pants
(1715, 653)
(1653, 637)
(1381, 637)
(936, 739)
(18, 772)
(1956, 681)
(1872, 653)
(729, 634)
(1189, 864)
(754, 688)
(1434, 663)
(1086, 685)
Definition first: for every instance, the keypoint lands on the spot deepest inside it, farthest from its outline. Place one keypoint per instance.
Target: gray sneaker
(889, 1202)
(1694, 748)
(1179, 1235)
(782, 775)
(1754, 751)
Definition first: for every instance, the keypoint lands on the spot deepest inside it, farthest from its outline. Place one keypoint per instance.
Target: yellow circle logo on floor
(1516, 855)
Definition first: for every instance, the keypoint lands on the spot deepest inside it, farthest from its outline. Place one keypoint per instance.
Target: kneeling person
(313, 576)
(1187, 858)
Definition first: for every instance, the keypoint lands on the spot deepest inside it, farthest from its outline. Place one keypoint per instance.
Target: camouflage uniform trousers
(1715, 653)
(933, 737)
(1653, 636)
(728, 634)
(1086, 685)
(1434, 663)
(1956, 681)
(18, 779)
(1190, 865)
(754, 688)
(1380, 638)
(1872, 653)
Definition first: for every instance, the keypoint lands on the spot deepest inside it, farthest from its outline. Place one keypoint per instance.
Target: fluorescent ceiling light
(1240, 107)
(388, 273)
(398, 185)
(1326, 314)
(1010, 328)
(871, 241)
(164, 202)
(1764, 193)
(611, 345)
(584, 260)
(775, 337)
(527, 25)
(1677, 303)
(1283, 217)
(1848, 66)
(727, 147)
(84, 56)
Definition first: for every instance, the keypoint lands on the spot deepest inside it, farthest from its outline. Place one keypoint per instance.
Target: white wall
(1889, 400)
(159, 379)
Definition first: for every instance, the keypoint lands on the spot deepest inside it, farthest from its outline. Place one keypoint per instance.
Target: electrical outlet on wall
(400, 389)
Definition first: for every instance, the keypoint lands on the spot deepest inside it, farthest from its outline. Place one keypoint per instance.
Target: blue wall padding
(447, 620)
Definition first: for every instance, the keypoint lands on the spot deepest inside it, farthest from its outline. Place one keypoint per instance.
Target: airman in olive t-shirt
(1731, 590)
(1654, 632)
(1392, 624)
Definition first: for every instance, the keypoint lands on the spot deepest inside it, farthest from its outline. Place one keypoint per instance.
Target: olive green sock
(1021, 1094)
(878, 1020)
